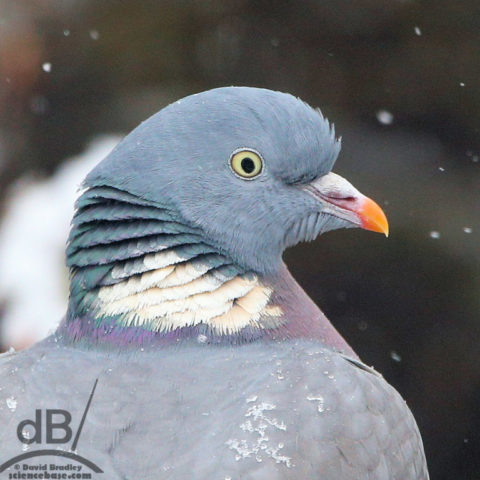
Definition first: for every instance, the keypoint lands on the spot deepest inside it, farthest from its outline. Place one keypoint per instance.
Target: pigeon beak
(341, 199)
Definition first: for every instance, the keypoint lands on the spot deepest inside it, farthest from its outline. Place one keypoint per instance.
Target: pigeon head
(184, 224)
(247, 169)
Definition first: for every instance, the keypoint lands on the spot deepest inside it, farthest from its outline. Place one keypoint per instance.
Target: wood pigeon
(188, 351)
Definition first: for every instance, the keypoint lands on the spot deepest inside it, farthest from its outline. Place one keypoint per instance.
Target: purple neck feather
(301, 319)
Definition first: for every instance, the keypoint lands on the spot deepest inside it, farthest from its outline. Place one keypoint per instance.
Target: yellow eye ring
(246, 163)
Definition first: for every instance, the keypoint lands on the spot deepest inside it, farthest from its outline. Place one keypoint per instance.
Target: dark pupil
(248, 165)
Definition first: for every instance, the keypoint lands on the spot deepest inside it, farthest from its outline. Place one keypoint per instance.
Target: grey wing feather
(258, 411)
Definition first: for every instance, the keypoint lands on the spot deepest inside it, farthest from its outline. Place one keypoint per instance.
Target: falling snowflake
(395, 356)
(384, 117)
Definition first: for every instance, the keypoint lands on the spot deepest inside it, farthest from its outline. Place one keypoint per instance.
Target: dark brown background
(409, 304)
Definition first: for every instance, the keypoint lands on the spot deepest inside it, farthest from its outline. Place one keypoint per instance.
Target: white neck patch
(175, 293)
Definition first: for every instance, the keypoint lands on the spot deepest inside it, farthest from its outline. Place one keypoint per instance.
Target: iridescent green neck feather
(135, 265)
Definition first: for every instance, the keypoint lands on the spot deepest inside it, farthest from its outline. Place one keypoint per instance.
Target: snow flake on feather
(259, 424)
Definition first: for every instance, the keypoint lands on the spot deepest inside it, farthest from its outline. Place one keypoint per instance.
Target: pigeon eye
(246, 163)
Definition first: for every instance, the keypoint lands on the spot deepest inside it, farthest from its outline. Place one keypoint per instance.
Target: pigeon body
(208, 359)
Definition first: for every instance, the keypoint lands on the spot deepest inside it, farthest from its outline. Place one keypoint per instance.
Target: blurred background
(401, 81)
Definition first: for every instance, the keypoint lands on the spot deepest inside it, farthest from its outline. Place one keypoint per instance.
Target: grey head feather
(178, 160)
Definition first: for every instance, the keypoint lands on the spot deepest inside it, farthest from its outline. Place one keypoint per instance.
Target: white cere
(47, 67)
(434, 234)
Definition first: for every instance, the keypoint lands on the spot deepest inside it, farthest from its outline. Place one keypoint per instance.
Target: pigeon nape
(206, 357)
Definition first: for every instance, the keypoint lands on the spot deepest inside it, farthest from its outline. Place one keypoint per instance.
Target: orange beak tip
(372, 217)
